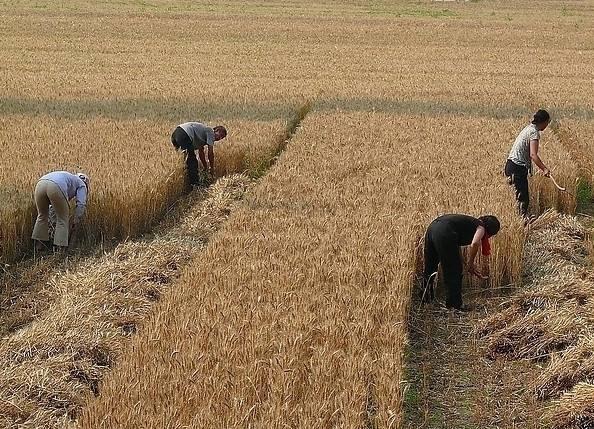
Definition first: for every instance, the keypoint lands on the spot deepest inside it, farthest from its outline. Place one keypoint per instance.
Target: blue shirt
(71, 186)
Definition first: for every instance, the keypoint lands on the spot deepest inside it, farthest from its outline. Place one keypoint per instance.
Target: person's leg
(518, 176)
(452, 267)
(521, 184)
(42, 202)
(62, 209)
(431, 259)
(181, 141)
(192, 167)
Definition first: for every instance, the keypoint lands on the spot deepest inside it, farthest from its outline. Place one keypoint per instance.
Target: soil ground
(452, 383)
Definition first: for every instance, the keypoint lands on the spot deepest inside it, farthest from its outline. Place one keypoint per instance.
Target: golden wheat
(297, 317)
(296, 313)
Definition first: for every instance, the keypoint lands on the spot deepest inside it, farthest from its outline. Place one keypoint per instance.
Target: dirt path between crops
(453, 385)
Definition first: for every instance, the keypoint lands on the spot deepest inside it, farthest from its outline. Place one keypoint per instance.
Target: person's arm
(536, 159)
(211, 158)
(202, 157)
(474, 248)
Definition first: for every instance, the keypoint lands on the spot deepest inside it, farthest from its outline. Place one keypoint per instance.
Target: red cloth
(486, 246)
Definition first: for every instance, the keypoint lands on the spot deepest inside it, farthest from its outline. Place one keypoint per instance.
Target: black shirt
(463, 225)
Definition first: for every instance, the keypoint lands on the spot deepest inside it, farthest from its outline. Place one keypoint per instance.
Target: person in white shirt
(58, 188)
(523, 153)
(192, 136)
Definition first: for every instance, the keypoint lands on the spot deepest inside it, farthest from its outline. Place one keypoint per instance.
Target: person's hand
(475, 272)
(546, 172)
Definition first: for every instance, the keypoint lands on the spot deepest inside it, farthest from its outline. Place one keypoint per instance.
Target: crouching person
(58, 188)
(443, 239)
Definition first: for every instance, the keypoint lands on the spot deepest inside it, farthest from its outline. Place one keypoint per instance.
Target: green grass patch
(259, 167)
(583, 195)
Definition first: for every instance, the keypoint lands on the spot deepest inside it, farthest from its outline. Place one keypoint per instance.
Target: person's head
(491, 224)
(541, 119)
(85, 179)
(220, 132)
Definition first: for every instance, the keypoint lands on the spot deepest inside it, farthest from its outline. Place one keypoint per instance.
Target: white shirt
(72, 187)
(200, 134)
(520, 151)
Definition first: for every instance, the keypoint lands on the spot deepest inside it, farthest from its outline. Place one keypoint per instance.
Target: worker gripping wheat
(58, 188)
(192, 136)
(443, 239)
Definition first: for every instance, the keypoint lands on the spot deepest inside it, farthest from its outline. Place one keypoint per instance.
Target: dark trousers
(518, 176)
(441, 246)
(181, 140)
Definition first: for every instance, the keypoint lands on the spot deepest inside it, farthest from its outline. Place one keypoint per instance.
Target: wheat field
(307, 328)
(295, 313)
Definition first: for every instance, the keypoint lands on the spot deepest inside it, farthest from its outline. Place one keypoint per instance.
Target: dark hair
(491, 224)
(221, 129)
(541, 116)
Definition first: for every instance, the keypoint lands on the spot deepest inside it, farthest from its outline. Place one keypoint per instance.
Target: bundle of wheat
(575, 409)
(567, 369)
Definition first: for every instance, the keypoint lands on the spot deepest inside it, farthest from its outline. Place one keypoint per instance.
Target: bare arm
(211, 158)
(202, 157)
(536, 159)
(474, 247)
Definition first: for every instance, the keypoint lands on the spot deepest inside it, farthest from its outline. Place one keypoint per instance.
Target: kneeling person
(58, 188)
(444, 237)
(192, 136)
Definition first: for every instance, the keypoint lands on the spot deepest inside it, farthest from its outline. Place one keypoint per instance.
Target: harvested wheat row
(555, 311)
(567, 369)
(575, 409)
(553, 319)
